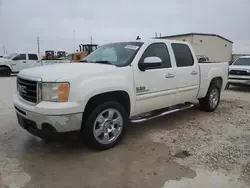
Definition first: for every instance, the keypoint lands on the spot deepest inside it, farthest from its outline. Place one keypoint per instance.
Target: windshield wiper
(103, 62)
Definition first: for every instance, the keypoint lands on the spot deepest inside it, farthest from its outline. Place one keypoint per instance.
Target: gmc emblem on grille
(21, 89)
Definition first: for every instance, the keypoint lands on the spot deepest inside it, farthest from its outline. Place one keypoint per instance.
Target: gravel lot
(186, 149)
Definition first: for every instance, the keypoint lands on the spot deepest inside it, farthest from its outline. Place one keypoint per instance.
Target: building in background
(215, 47)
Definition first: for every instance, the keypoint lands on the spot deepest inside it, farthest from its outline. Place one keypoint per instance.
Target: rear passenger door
(155, 87)
(187, 73)
(33, 60)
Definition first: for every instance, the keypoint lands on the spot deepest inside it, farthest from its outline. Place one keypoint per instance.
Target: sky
(55, 21)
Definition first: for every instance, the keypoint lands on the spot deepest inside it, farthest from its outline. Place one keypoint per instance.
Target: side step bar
(163, 113)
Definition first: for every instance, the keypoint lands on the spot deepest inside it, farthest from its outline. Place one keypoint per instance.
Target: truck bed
(209, 71)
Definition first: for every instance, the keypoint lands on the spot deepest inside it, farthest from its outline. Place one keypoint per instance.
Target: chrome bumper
(60, 123)
(240, 81)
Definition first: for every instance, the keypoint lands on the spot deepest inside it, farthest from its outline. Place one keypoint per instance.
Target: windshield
(242, 61)
(10, 56)
(119, 54)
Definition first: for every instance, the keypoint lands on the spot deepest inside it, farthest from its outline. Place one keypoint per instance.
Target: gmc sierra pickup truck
(116, 84)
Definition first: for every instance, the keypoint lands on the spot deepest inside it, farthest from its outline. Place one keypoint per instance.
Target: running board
(163, 113)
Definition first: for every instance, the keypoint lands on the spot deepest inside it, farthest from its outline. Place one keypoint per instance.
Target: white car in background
(15, 62)
(239, 72)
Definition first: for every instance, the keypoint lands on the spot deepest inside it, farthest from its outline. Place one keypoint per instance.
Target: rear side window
(183, 55)
(33, 57)
(159, 50)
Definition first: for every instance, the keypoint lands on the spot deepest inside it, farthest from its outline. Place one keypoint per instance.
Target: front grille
(239, 72)
(27, 89)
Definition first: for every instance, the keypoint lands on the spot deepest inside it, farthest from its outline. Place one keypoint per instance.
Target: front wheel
(4, 71)
(211, 101)
(105, 126)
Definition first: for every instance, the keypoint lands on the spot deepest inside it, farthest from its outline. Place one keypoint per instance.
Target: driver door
(155, 87)
(19, 62)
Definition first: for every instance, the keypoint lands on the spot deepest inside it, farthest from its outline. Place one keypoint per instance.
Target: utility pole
(3, 49)
(74, 40)
(91, 40)
(38, 45)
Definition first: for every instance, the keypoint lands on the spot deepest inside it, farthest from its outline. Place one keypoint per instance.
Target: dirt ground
(189, 149)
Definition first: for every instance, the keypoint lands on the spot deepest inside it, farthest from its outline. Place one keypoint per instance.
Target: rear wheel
(4, 71)
(211, 101)
(105, 126)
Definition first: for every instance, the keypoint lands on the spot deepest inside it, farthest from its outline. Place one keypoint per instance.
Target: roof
(203, 34)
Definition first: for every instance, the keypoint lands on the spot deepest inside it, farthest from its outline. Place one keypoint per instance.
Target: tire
(227, 86)
(101, 132)
(212, 99)
(4, 71)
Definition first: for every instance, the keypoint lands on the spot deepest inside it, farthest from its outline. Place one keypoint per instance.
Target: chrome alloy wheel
(214, 97)
(108, 126)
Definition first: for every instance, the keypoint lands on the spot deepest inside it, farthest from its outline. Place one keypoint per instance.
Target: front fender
(88, 88)
(2, 64)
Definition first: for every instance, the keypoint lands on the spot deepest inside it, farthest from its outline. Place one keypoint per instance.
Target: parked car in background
(15, 62)
(118, 82)
(239, 72)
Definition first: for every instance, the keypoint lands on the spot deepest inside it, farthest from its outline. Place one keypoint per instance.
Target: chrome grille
(27, 89)
(239, 72)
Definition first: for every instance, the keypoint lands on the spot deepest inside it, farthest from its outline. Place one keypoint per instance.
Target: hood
(2, 60)
(67, 71)
(239, 67)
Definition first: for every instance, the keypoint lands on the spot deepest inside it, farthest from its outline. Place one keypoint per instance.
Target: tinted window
(33, 57)
(159, 50)
(20, 57)
(183, 55)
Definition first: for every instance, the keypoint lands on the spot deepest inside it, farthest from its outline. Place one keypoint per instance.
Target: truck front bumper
(38, 124)
(239, 81)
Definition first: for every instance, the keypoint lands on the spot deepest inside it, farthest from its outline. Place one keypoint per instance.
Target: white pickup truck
(239, 72)
(116, 84)
(15, 62)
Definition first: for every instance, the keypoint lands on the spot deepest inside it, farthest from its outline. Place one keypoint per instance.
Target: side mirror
(150, 62)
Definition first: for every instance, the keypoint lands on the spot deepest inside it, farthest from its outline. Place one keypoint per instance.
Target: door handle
(194, 73)
(169, 75)
(24, 61)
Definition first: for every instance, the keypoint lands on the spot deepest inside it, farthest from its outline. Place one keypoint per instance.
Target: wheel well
(218, 81)
(4, 66)
(121, 97)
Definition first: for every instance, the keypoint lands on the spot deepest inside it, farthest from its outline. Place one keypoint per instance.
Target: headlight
(55, 92)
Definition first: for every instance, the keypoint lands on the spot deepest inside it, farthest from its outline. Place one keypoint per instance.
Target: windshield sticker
(132, 47)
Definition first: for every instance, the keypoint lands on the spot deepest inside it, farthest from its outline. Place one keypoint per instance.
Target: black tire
(205, 103)
(227, 86)
(4, 71)
(91, 117)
